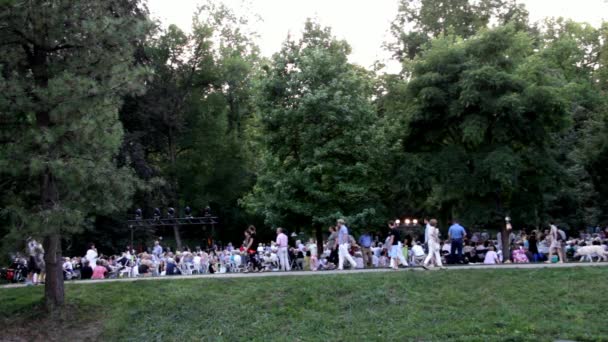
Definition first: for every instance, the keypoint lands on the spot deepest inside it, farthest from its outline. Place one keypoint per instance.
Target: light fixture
(138, 214)
(156, 214)
(294, 234)
(188, 212)
(397, 222)
(170, 212)
(407, 221)
(415, 221)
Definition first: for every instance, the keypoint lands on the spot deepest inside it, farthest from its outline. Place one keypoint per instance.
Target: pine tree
(64, 67)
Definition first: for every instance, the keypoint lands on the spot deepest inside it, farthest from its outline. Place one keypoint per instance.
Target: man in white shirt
(282, 246)
(427, 231)
(343, 244)
(434, 251)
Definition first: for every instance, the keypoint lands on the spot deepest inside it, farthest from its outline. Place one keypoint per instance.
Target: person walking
(282, 250)
(251, 248)
(365, 242)
(157, 251)
(456, 234)
(427, 231)
(434, 247)
(331, 245)
(394, 250)
(343, 246)
(556, 244)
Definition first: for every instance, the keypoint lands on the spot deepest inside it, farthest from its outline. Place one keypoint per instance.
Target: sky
(363, 23)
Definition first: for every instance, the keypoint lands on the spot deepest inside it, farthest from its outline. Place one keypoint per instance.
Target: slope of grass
(467, 305)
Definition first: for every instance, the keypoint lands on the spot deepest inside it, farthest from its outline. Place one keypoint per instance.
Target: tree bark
(319, 238)
(506, 243)
(53, 287)
(178, 239)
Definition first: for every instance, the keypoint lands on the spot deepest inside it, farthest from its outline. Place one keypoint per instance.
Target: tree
(320, 147)
(189, 127)
(419, 21)
(64, 68)
(483, 112)
(575, 50)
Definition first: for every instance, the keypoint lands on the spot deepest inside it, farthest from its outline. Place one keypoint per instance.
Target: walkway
(334, 272)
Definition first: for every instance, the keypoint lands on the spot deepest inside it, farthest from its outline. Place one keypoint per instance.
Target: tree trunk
(178, 239)
(506, 243)
(174, 184)
(53, 287)
(319, 238)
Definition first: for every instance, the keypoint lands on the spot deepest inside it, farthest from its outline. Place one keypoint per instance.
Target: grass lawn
(467, 305)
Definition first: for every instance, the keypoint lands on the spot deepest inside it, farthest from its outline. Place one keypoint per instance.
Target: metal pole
(131, 247)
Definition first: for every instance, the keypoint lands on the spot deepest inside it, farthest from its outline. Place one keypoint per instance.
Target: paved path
(334, 272)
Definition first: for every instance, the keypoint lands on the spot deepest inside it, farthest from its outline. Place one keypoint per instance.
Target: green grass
(467, 305)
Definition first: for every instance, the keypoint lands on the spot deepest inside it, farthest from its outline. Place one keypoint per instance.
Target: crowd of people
(340, 250)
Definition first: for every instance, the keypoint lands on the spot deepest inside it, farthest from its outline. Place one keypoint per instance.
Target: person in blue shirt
(456, 234)
(365, 241)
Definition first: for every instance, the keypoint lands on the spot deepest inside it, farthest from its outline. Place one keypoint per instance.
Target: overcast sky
(363, 23)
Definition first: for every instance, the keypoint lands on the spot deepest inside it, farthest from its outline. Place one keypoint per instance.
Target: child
(491, 257)
(99, 272)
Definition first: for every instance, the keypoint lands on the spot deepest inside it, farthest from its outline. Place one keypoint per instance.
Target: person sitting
(491, 257)
(418, 254)
(171, 267)
(519, 255)
(86, 272)
(480, 251)
(469, 252)
(68, 269)
(99, 272)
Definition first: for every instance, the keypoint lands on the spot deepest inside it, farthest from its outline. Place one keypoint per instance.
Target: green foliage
(321, 149)
(419, 21)
(64, 69)
(189, 129)
(480, 126)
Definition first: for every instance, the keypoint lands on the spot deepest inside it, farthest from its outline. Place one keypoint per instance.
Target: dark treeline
(103, 111)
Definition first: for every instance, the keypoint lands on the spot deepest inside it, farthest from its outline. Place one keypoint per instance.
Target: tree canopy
(103, 111)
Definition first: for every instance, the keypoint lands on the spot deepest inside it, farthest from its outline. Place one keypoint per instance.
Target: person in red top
(99, 272)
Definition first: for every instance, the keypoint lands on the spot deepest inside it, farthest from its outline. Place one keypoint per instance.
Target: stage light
(188, 212)
(397, 222)
(138, 214)
(407, 221)
(415, 221)
(157, 214)
(170, 212)
(207, 211)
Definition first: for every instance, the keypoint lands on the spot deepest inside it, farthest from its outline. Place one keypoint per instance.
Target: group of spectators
(340, 250)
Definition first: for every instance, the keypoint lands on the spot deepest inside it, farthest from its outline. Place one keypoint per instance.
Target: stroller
(16, 273)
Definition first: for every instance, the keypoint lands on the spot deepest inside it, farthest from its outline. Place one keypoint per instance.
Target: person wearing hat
(343, 245)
